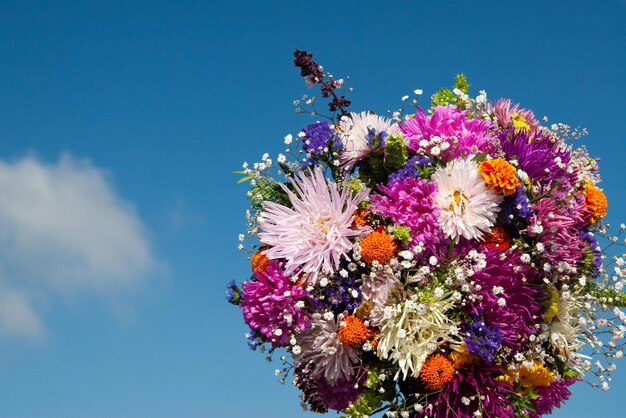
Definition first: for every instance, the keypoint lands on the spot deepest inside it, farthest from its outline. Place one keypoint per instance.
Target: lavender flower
(411, 169)
(319, 137)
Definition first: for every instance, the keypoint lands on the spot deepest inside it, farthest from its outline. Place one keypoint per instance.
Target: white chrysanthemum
(320, 345)
(354, 131)
(412, 330)
(315, 232)
(565, 329)
(468, 208)
(376, 290)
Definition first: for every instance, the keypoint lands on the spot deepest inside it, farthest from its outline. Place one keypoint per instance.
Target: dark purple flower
(337, 296)
(483, 340)
(516, 206)
(304, 380)
(469, 391)
(345, 391)
(509, 297)
(411, 169)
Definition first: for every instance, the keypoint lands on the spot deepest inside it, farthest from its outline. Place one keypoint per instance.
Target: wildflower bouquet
(439, 264)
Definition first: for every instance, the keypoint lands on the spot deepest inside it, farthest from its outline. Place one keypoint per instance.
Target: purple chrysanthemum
(343, 392)
(472, 135)
(411, 168)
(542, 156)
(469, 391)
(508, 297)
(551, 397)
(270, 307)
(409, 202)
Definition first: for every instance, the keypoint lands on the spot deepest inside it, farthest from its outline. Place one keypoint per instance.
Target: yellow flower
(519, 122)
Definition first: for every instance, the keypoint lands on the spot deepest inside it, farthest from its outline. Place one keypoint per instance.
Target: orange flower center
(378, 246)
(353, 331)
(499, 175)
(436, 372)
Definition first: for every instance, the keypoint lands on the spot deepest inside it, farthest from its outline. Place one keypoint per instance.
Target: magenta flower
(270, 305)
(503, 109)
(472, 135)
(409, 202)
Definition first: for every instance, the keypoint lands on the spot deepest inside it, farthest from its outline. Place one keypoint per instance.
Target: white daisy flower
(468, 208)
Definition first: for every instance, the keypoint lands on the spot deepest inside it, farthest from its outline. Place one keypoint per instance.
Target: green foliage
(445, 96)
(396, 154)
(611, 297)
(402, 233)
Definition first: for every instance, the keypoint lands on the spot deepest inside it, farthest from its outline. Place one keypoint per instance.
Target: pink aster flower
(558, 229)
(503, 109)
(314, 233)
(270, 305)
(458, 135)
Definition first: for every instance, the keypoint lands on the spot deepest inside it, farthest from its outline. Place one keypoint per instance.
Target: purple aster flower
(343, 392)
(482, 339)
(270, 306)
(409, 202)
(551, 397)
(319, 136)
(472, 135)
(411, 169)
(509, 297)
(308, 384)
(542, 156)
(469, 391)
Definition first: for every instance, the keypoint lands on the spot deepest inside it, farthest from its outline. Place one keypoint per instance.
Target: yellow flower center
(519, 123)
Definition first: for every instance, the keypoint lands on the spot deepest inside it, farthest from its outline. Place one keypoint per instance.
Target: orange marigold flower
(259, 262)
(499, 175)
(361, 216)
(595, 201)
(353, 331)
(436, 372)
(378, 246)
(497, 238)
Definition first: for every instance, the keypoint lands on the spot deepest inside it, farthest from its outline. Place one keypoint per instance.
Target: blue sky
(120, 125)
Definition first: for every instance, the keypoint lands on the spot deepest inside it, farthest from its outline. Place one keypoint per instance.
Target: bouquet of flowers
(444, 263)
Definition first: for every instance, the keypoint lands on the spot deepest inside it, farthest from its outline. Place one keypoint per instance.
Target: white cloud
(63, 231)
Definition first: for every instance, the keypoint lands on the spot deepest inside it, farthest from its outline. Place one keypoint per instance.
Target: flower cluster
(444, 263)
